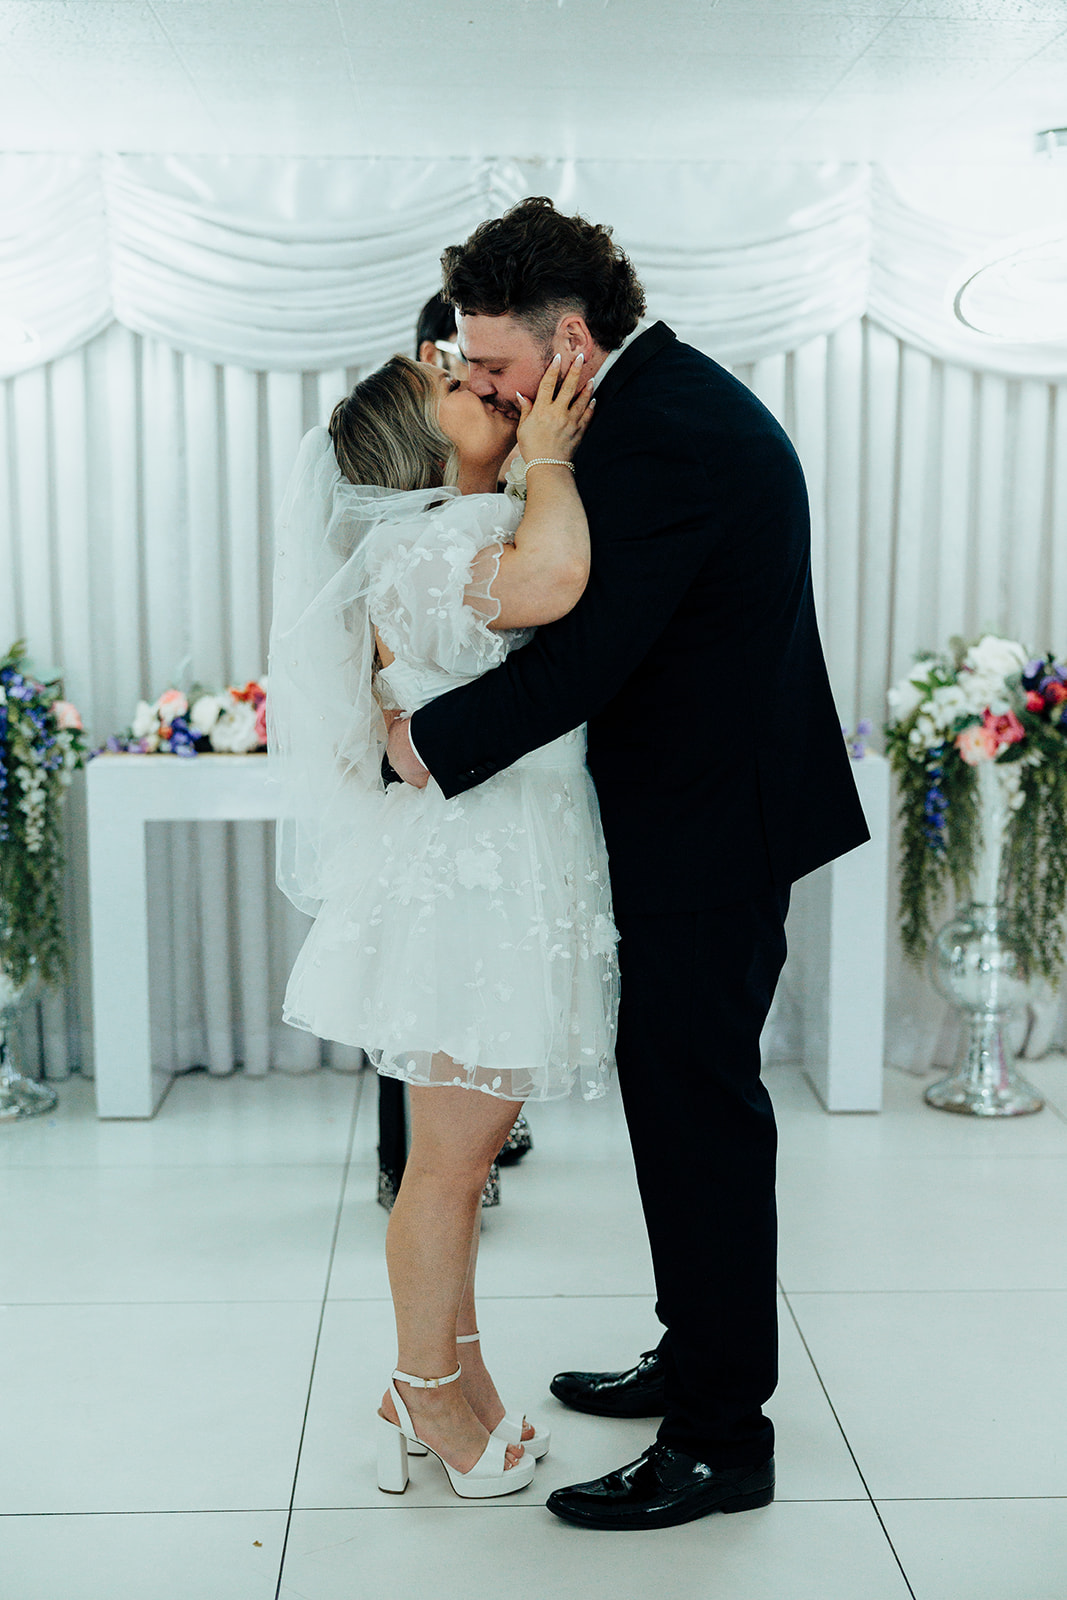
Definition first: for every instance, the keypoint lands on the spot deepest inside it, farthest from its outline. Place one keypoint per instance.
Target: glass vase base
(21, 1097)
(1012, 1096)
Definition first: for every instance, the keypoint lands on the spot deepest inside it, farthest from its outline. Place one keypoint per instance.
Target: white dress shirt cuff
(414, 750)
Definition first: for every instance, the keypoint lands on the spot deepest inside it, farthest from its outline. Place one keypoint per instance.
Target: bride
(467, 945)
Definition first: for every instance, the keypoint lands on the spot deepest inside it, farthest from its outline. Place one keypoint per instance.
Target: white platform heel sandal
(488, 1478)
(508, 1428)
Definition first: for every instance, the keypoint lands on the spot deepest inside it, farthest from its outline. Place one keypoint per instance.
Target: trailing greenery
(1037, 852)
(939, 828)
(975, 703)
(41, 744)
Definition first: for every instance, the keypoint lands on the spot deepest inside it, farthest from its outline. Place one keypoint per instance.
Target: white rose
(207, 709)
(947, 704)
(907, 696)
(904, 698)
(235, 730)
(996, 658)
(985, 689)
(145, 720)
(927, 730)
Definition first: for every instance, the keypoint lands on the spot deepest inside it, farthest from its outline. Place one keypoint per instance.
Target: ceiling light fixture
(1017, 291)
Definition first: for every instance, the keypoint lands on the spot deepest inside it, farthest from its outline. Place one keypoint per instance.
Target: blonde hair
(386, 431)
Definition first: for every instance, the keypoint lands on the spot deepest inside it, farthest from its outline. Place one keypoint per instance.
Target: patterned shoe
(518, 1143)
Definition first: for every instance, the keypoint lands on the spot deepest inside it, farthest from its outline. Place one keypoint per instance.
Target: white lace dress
(470, 941)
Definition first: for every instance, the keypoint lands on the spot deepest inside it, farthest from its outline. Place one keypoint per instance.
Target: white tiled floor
(196, 1329)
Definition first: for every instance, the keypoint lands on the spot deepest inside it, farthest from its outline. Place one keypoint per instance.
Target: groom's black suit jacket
(693, 655)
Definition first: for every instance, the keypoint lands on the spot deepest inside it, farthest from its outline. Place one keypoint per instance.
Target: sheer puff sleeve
(429, 585)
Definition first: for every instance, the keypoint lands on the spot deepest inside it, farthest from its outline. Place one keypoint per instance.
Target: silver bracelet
(549, 461)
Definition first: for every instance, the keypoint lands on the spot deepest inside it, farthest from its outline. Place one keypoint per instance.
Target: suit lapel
(644, 347)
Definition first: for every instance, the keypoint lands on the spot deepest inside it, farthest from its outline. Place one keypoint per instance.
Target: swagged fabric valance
(294, 264)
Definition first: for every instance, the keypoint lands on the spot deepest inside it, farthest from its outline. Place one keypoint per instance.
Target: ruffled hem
(473, 942)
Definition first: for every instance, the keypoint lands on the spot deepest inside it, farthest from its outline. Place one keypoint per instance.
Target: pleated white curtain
(140, 471)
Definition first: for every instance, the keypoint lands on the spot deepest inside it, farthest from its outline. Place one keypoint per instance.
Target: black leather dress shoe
(662, 1488)
(637, 1392)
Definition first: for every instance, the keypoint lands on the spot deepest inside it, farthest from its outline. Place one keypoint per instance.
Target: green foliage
(938, 842)
(1037, 854)
(37, 758)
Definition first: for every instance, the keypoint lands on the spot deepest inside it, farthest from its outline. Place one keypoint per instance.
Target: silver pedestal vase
(19, 1096)
(976, 963)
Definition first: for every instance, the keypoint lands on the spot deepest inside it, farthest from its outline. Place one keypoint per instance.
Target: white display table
(125, 792)
(836, 929)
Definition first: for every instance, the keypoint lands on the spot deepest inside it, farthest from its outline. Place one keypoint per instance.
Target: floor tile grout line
(356, 1102)
(266, 1511)
(1022, 1288)
(848, 1445)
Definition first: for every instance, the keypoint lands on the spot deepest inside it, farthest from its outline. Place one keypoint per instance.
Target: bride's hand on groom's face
(553, 424)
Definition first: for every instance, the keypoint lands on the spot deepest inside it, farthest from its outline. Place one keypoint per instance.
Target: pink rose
(66, 715)
(261, 722)
(976, 743)
(1034, 701)
(1005, 730)
(171, 703)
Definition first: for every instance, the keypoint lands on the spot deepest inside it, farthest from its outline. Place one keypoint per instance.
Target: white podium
(835, 971)
(836, 928)
(124, 792)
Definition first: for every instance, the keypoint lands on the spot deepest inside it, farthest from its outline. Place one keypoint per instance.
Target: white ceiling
(700, 79)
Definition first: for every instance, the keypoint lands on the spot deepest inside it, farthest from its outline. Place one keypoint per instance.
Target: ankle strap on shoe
(467, 1338)
(426, 1383)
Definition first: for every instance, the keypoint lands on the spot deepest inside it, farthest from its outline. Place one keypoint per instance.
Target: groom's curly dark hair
(538, 264)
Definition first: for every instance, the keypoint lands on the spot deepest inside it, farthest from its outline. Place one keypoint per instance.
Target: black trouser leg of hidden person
(696, 990)
(392, 1139)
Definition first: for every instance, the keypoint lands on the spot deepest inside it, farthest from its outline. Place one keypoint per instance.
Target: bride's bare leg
(455, 1133)
(478, 1386)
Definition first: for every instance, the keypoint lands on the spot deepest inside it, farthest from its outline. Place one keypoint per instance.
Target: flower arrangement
(234, 721)
(41, 746)
(988, 701)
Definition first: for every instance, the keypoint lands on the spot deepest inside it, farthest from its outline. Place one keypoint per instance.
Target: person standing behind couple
(700, 590)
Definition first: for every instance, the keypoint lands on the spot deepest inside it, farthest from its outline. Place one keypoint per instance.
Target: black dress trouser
(696, 990)
(392, 1136)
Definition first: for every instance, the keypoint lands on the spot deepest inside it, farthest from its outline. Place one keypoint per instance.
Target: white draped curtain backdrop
(195, 315)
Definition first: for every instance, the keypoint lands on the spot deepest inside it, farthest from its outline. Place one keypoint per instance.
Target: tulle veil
(326, 734)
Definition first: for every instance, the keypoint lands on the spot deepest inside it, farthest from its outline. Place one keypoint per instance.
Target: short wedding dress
(467, 941)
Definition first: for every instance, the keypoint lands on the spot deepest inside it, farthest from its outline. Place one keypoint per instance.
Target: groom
(694, 657)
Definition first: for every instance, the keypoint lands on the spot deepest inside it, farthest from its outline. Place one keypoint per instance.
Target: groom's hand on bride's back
(402, 758)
